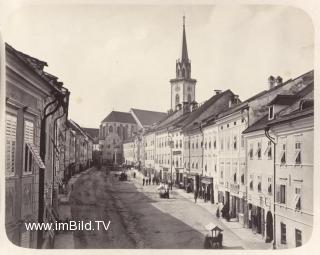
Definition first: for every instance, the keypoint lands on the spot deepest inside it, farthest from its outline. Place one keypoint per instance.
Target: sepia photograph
(158, 126)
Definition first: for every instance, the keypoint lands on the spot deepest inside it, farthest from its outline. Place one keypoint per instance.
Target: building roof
(122, 117)
(93, 132)
(36, 65)
(283, 100)
(294, 110)
(147, 118)
(198, 116)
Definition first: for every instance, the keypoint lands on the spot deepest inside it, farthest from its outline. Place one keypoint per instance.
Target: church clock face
(177, 88)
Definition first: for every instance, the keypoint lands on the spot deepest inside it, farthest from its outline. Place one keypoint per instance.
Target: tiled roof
(147, 118)
(93, 132)
(122, 117)
(198, 116)
(292, 111)
(283, 100)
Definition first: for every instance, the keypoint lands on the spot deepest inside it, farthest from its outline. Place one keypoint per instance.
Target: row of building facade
(43, 148)
(253, 156)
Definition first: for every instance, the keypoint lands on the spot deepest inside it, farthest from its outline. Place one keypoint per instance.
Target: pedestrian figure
(143, 182)
(149, 180)
(195, 197)
(153, 181)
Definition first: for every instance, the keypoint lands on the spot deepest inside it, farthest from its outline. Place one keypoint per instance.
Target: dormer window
(271, 112)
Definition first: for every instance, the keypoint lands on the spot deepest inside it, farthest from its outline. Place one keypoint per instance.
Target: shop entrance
(269, 236)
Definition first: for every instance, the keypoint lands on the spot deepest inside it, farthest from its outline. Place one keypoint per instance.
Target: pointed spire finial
(184, 55)
(184, 19)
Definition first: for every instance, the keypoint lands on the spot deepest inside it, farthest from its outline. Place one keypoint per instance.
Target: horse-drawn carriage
(123, 176)
(163, 191)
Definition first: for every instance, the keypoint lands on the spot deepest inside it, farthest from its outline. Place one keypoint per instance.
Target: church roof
(122, 117)
(147, 118)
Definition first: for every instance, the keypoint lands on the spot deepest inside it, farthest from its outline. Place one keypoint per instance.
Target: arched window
(110, 129)
(183, 72)
(118, 131)
(177, 99)
(189, 98)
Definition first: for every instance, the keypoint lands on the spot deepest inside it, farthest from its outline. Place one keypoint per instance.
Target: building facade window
(283, 232)
(258, 153)
(297, 156)
(268, 150)
(235, 141)
(282, 194)
(28, 139)
(297, 198)
(10, 149)
(283, 159)
(298, 235)
(251, 151)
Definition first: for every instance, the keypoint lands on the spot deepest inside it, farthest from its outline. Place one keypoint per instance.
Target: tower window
(177, 99)
(189, 98)
(183, 72)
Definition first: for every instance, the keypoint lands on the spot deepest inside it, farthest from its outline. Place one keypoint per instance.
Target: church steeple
(183, 65)
(184, 55)
(183, 86)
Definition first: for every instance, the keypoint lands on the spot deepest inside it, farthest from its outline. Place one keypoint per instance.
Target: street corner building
(42, 148)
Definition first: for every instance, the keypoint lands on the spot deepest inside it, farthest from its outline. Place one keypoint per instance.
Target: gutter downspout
(55, 138)
(272, 140)
(42, 156)
(41, 170)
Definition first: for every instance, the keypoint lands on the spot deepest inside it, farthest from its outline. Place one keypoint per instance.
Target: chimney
(271, 81)
(236, 99)
(217, 91)
(195, 106)
(278, 81)
(186, 107)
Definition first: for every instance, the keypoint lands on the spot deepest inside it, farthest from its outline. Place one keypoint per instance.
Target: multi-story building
(128, 152)
(194, 133)
(32, 96)
(261, 162)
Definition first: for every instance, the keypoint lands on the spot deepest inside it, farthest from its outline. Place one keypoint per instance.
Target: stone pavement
(249, 239)
(64, 239)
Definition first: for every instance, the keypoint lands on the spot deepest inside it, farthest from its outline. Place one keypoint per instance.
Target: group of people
(147, 180)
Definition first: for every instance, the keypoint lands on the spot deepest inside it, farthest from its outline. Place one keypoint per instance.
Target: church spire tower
(183, 86)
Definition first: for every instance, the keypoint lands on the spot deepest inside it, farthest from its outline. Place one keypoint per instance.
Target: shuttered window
(298, 235)
(283, 233)
(10, 150)
(28, 138)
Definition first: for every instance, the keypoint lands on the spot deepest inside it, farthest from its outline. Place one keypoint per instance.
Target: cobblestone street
(140, 219)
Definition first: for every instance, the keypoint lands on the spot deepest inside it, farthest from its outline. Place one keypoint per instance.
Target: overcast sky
(121, 57)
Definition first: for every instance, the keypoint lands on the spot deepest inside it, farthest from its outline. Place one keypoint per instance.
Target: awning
(36, 155)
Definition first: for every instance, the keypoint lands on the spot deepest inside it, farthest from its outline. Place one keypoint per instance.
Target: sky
(120, 57)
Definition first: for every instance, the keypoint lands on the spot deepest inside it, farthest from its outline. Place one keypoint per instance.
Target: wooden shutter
(10, 150)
